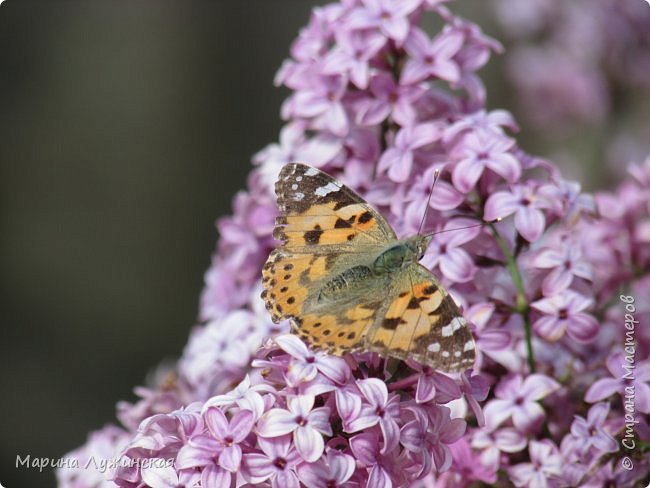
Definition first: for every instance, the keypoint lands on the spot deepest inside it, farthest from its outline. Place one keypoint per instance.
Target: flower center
(380, 411)
(228, 441)
(301, 421)
(280, 463)
(310, 359)
(563, 314)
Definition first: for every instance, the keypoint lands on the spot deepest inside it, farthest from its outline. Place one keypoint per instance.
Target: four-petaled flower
(431, 58)
(545, 466)
(381, 409)
(518, 398)
(564, 312)
(306, 364)
(432, 432)
(494, 442)
(306, 424)
(446, 252)
(277, 462)
(479, 150)
(398, 159)
(389, 16)
(526, 203)
(591, 432)
(565, 264)
(332, 472)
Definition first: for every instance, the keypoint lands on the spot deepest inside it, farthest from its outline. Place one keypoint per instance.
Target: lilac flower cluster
(382, 104)
(580, 66)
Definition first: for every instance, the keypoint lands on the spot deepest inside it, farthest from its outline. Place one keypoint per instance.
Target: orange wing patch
(340, 332)
(407, 318)
(326, 225)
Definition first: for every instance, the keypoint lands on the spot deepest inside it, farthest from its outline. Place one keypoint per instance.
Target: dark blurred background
(125, 130)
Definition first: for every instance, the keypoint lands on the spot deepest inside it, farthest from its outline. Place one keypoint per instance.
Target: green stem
(522, 305)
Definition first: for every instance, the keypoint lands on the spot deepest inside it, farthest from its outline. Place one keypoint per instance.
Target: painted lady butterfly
(347, 283)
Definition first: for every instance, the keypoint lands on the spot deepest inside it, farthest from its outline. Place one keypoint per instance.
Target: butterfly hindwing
(423, 323)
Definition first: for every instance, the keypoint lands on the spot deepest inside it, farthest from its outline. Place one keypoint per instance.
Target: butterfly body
(347, 283)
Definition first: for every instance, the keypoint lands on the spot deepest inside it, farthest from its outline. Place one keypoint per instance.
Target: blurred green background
(125, 130)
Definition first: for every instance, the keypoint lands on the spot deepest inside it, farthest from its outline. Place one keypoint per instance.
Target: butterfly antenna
(426, 209)
(465, 227)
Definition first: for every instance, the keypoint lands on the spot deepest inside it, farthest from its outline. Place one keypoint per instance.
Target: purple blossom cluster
(383, 104)
(580, 66)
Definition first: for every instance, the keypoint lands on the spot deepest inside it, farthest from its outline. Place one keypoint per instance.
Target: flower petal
(582, 327)
(425, 390)
(499, 205)
(257, 467)
(390, 431)
(159, 477)
(215, 477)
(550, 328)
(334, 368)
(309, 443)
(496, 411)
(457, 265)
(341, 466)
(301, 404)
(465, 175)
(241, 425)
(217, 422)
(602, 389)
(538, 386)
(285, 479)
(230, 458)
(293, 346)
(374, 390)
(530, 223)
(276, 422)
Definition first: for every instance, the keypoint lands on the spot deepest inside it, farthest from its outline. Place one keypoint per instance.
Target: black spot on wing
(344, 224)
(413, 303)
(430, 290)
(391, 324)
(365, 217)
(313, 236)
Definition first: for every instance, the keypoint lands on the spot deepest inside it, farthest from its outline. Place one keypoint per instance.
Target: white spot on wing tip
(452, 326)
(434, 347)
(469, 346)
(311, 172)
(329, 188)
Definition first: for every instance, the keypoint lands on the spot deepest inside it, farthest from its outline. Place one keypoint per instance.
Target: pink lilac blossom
(248, 405)
(568, 62)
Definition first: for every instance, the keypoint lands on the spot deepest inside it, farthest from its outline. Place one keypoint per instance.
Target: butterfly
(347, 283)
